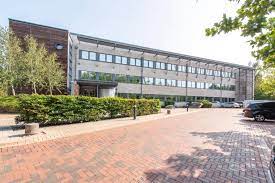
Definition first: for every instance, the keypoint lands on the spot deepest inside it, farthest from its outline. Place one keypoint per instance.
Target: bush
(9, 104)
(51, 110)
(206, 104)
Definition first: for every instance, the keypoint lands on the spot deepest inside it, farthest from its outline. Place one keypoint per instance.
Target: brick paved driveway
(209, 146)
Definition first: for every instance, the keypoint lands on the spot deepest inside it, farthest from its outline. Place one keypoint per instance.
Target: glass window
(134, 79)
(157, 65)
(193, 84)
(169, 67)
(174, 82)
(162, 66)
(160, 81)
(102, 57)
(148, 81)
(179, 68)
(183, 84)
(132, 61)
(174, 67)
(178, 83)
(189, 84)
(209, 72)
(171, 82)
(88, 75)
(201, 71)
(218, 73)
(207, 85)
(151, 64)
(118, 59)
(145, 63)
(138, 62)
(105, 77)
(84, 55)
(124, 60)
(193, 70)
(200, 85)
(92, 55)
(189, 69)
(109, 58)
(121, 78)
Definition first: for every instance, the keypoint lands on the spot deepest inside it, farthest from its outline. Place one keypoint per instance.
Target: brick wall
(49, 36)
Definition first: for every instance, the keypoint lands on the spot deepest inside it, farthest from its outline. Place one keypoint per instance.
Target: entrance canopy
(97, 88)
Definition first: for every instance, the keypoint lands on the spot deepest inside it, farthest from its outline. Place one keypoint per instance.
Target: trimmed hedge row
(9, 104)
(51, 110)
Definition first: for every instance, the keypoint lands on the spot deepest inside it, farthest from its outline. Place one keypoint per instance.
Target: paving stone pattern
(208, 146)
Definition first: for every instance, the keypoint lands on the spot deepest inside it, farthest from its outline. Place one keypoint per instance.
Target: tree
(264, 82)
(53, 73)
(255, 19)
(10, 61)
(26, 62)
(34, 62)
(267, 85)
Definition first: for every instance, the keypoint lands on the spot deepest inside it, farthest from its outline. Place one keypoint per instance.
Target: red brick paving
(208, 146)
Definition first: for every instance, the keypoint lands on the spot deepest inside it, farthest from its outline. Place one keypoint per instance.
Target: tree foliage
(31, 66)
(10, 61)
(255, 19)
(264, 82)
(53, 73)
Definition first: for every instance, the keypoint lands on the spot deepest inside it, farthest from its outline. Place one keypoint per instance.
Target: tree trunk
(34, 88)
(13, 90)
(51, 91)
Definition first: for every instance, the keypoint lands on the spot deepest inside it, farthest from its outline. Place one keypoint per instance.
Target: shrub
(51, 110)
(206, 104)
(9, 104)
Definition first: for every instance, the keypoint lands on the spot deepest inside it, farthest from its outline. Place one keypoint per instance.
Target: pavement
(12, 135)
(215, 145)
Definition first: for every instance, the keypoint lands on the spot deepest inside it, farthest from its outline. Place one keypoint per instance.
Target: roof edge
(172, 54)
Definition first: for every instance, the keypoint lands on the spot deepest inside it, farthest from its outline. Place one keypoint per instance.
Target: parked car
(180, 104)
(240, 103)
(260, 110)
(216, 104)
(272, 164)
(230, 105)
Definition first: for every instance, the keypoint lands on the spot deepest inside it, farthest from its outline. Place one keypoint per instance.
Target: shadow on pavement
(237, 156)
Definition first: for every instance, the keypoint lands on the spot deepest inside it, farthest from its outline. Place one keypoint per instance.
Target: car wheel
(259, 117)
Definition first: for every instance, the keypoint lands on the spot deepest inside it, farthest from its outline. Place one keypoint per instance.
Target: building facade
(99, 67)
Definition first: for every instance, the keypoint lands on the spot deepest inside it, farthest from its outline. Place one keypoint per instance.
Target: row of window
(175, 98)
(152, 81)
(88, 55)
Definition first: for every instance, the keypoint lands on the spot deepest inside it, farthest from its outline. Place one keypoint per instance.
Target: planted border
(61, 109)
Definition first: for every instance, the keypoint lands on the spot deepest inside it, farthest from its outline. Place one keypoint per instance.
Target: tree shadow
(236, 156)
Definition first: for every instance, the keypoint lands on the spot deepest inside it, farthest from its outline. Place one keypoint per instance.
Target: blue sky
(172, 25)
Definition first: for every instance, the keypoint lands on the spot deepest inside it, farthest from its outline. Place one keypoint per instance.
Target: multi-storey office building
(100, 67)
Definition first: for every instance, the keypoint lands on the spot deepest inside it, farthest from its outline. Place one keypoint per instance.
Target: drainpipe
(141, 84)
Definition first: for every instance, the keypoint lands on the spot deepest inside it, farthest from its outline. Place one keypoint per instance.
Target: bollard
(168, 111)
(31, 128)
(135, 112)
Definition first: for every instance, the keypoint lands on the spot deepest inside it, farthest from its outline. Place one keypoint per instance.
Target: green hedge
(51, 110)
(206, 104)
(9, 104)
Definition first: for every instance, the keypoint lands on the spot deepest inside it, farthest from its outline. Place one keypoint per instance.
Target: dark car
(272, 163)
(260, 110)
